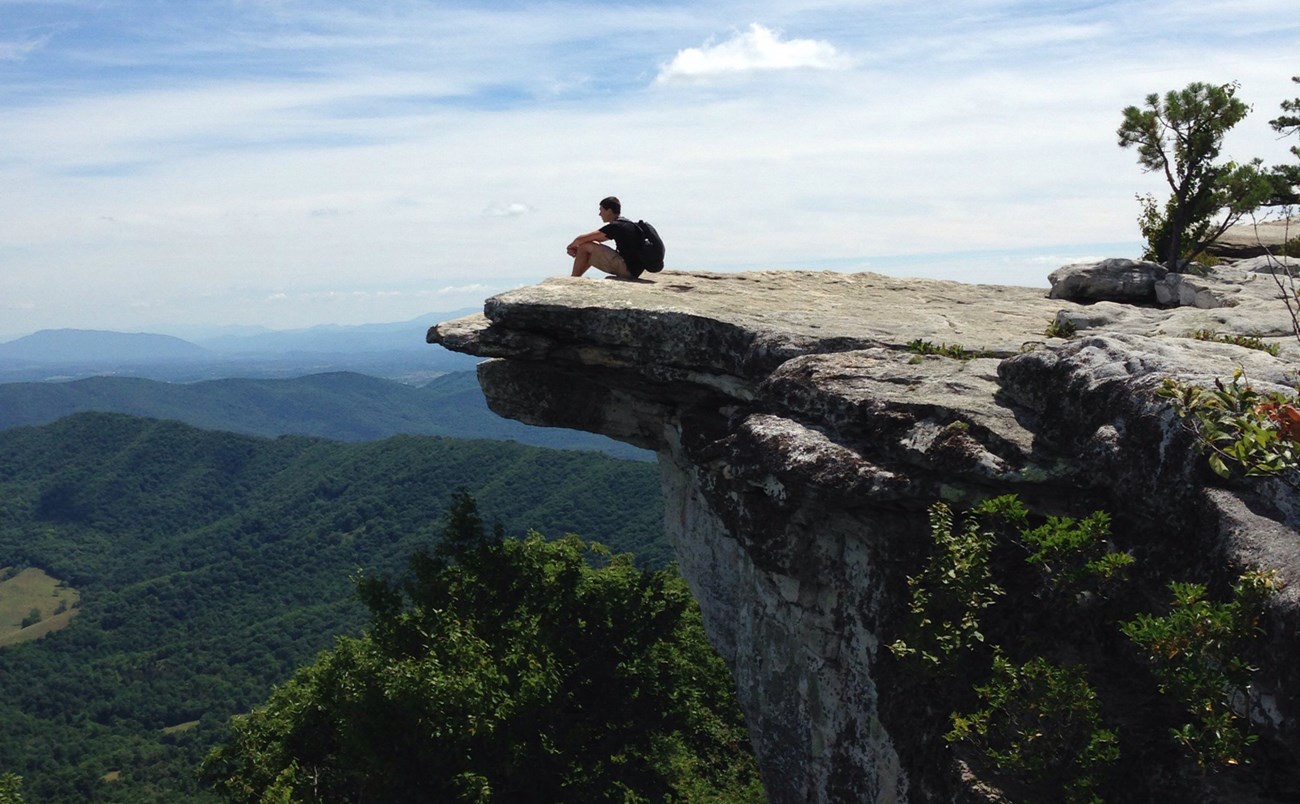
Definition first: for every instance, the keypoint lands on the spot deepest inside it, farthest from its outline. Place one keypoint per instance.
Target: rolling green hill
(210, 565)
(341, 405)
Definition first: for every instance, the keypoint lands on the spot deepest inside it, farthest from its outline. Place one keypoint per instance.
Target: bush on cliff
(1015, 625)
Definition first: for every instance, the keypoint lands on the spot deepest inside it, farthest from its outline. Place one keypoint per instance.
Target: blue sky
(166, 165)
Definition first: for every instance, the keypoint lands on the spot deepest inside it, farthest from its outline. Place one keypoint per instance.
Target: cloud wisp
(21, 49)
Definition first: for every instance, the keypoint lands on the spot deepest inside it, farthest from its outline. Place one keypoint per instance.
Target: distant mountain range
(80, 345)
(396, 351)
(343, 406)
(332, 338)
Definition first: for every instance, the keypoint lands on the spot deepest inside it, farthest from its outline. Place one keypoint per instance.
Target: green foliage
(1286, 178)
(923, 347)
(11, 788)
(211, 565)
(1155, 222)
(524, 669)
(1241, 429)
(339, 405)
(1197, 652)
(1180, 137)
(1041, 725)
(1248, 341)
(1060, 328)
(988, 610)
(952, 590)
(1073, 554)
(1036, 723)
(465, 532)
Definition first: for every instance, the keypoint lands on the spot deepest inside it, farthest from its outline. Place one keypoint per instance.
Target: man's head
(611, 203)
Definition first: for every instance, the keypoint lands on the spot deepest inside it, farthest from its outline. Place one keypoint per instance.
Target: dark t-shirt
(627, 241)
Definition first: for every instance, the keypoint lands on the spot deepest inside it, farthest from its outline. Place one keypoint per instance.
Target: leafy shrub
(1072, 553)
(11, 789)
(1197, 652)
(1041, 725)
(987, 609)
(948, 596)
(1240, 428)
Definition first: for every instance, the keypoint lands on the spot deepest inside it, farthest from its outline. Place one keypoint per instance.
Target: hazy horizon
(286, 164)
(1024, 267)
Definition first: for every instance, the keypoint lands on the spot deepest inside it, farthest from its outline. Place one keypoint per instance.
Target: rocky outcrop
(804, 426)
(1256, 239)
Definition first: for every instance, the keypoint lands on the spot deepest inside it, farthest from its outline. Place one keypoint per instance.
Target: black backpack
(652, 248)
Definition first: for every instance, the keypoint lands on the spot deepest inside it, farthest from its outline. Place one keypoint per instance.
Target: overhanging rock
(803, 432)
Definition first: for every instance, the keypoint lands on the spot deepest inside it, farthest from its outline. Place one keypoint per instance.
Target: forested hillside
(341, 405)
(210, 565)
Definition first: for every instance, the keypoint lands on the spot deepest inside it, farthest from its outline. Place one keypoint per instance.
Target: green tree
(11, 788)
(1286, 178)
(464, 532)
(1180, 137)
(519, 669)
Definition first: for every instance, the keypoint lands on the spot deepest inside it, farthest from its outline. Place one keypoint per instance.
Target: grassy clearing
(181, 727)
(32, 595)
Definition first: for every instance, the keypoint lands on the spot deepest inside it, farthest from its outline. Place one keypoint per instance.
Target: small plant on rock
(1240, 428)
(923, 347)
(1061, 328)
(1248, 341)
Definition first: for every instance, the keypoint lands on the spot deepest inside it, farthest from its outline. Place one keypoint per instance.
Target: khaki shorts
(607, 259)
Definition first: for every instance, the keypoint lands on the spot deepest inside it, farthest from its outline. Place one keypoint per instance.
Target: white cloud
(755, 50)
(512, 210)
(472, 291)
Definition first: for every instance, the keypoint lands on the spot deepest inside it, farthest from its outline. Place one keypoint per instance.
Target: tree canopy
(1180, 137)
(1286, 178)
(211, 566)
(504, 670)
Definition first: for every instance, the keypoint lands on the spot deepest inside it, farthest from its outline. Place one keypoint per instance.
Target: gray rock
(1256, 239)
(1114, 279)
(801, 441)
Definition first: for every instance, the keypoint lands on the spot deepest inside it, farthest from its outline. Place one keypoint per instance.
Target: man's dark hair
(612, 205)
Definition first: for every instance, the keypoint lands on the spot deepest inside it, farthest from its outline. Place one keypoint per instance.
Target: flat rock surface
(748, 323)
(806, 311)
(1266, 233)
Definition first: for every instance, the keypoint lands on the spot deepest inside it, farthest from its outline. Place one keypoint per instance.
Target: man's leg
(600, 256)
(581, 259)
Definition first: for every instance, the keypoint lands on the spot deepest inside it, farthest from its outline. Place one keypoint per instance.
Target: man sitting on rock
(623, 261)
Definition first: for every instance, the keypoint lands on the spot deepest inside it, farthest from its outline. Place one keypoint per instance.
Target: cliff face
(801, 443)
